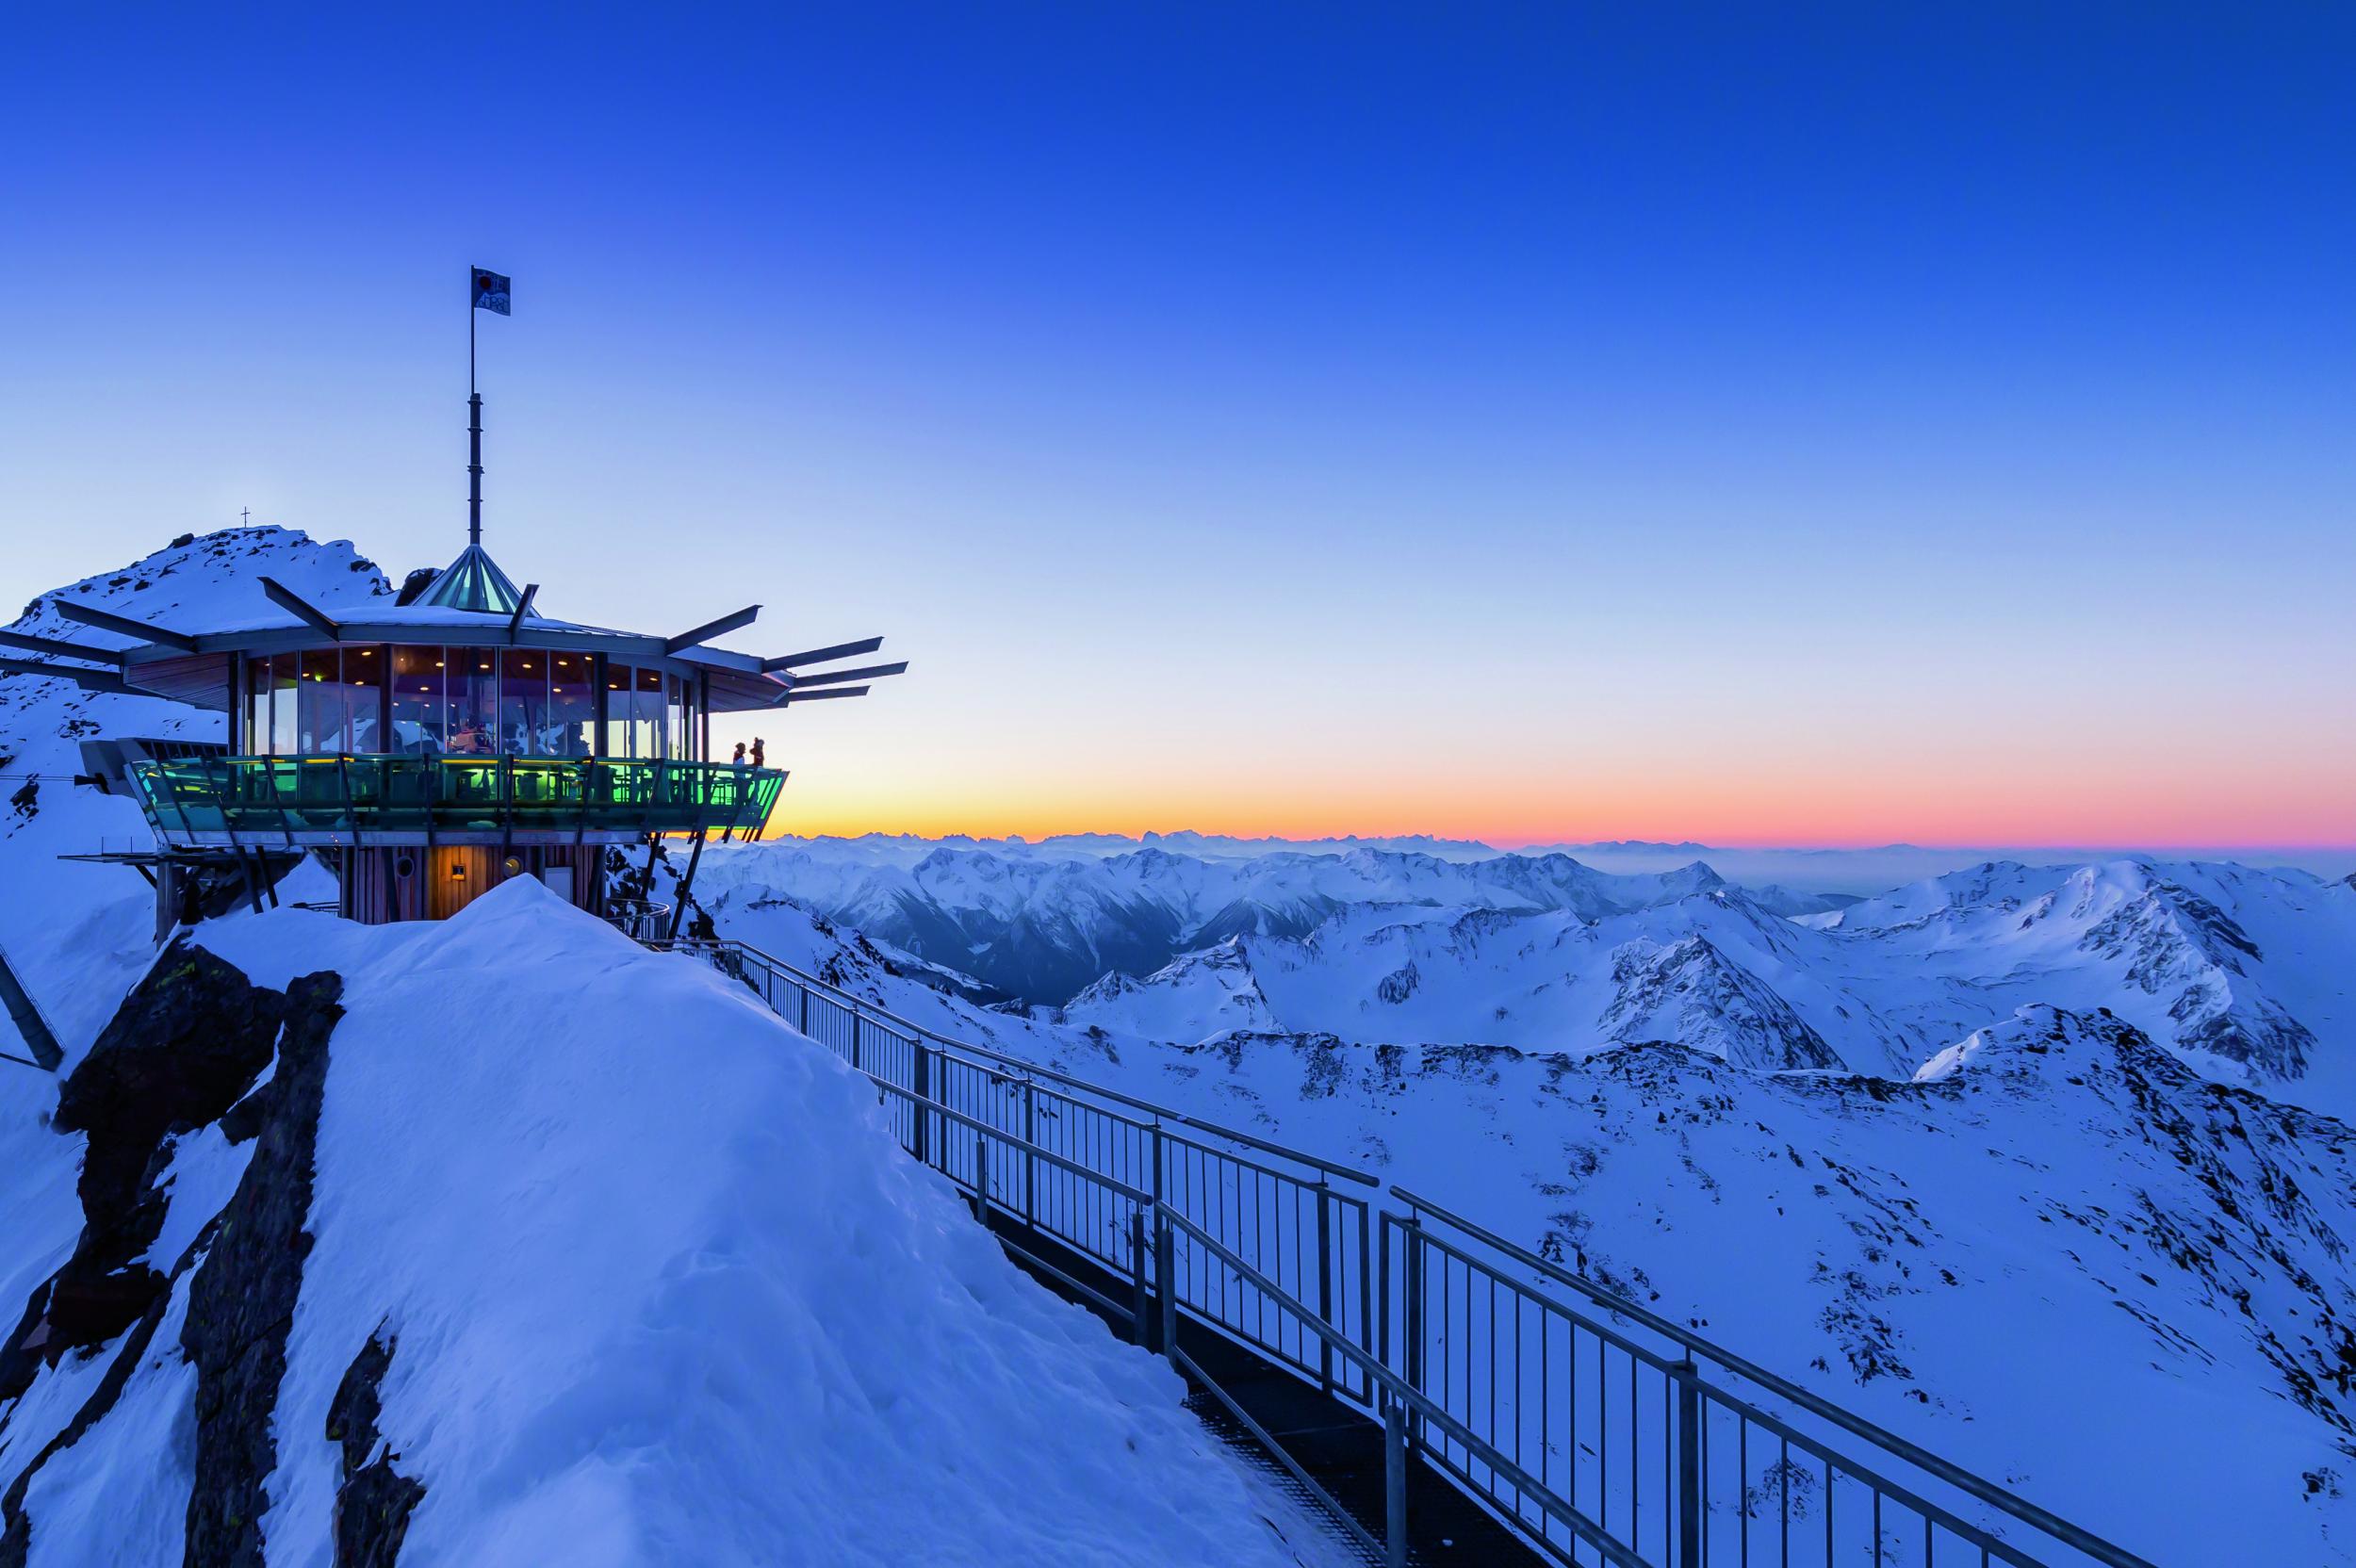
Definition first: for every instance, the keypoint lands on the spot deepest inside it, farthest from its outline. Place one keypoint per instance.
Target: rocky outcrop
(184, 1048)
(184, 1051)
(241, 1302)
(372, 1506)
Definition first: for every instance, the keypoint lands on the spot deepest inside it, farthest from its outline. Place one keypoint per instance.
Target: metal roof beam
(106, 620)
(819, 655)
(523, 608)
(797, 695)
(31, 644)
(301, 608)
(710, 630)
(829, 677)
(89, 680)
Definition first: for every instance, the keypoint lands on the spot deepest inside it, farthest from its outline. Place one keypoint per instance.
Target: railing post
(1689, 1479)
(1166, 1274)
(1394, 1481)
(1365, 1292)
(1030, 1153)
(805, 990)
(1141, 1325)
(1411, 1303)
(921, 1089)
(1325, 1283)
(981, 1176)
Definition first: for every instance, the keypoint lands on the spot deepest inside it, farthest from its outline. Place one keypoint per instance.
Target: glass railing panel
(472, 789)
(317, 799)
(407, 788)
(264, 796)
(153, 784)
(261, 795)
(545, 788)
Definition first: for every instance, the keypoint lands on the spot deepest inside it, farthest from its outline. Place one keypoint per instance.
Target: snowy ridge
(527, 1255)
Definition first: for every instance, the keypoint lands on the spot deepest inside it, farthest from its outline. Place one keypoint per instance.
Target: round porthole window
(404, 865)
(511, 865)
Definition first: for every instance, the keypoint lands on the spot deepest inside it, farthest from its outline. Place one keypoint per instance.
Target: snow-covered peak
(214, 579)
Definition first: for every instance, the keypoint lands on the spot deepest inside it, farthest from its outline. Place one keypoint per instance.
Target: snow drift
(599, 1263)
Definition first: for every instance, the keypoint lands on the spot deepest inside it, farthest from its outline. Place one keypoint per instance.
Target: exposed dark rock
(15, 1526)
(241, 1301)
(186, 1044)
(372, 1506)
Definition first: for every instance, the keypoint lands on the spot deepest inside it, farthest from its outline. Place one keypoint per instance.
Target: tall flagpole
(474, 426)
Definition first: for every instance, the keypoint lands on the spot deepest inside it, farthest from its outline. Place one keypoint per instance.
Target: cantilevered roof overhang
(193, 666)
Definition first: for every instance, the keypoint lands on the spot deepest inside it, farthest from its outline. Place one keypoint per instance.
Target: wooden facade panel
(437, 883)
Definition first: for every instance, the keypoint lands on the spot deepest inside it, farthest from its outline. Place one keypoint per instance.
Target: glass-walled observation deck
(432, 700)
(395, 742)
(358, 801)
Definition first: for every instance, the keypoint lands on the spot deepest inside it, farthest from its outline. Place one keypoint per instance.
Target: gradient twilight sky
(1524, 422)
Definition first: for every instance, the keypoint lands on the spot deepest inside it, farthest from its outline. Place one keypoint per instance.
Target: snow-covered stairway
(1445, 1394)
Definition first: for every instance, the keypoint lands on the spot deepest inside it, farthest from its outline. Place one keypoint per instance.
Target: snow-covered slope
(2061, 1258)
(536, 1248)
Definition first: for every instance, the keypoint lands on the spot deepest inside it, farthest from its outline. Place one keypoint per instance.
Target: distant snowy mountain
(1042, 923)
(2245, 973)
(2249, 976)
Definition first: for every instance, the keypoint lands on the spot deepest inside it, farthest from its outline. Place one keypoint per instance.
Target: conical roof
(474, 582)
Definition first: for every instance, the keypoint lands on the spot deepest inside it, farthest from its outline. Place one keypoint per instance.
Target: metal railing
(329, 799)
(1598, 1431)
(641, 920)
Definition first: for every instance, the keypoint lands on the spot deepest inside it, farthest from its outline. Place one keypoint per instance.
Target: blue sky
(1531, 422)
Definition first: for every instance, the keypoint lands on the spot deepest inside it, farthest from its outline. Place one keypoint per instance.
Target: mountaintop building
(427, 749)
(430, 748)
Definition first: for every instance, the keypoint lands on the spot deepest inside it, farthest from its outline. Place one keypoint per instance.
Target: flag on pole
(490, 291)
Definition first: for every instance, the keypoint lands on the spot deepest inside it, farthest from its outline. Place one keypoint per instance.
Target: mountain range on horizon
(1858, 870)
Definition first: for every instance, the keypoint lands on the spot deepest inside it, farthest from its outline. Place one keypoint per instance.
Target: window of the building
(285, 674)
(474, 701)
(319, 702)
(617, 704)
(524, 702)
(364, 698)
(572, 704)
(646, 714)
(418, 679)
(680, 717)
(255, 740)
